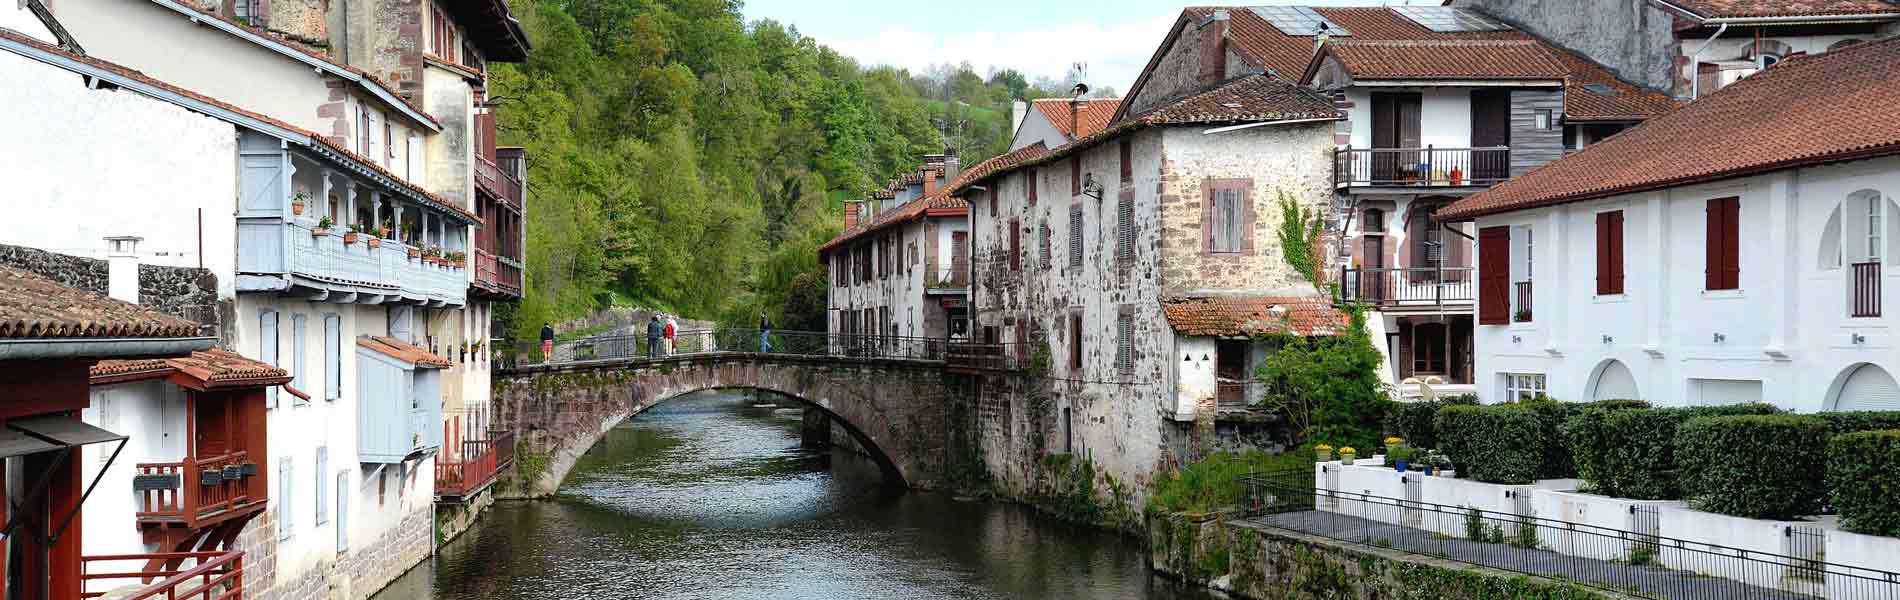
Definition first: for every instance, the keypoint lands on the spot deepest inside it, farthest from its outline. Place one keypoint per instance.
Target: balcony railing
(1866, 289)
(955, 277)
(498, 182)
(213, 576)
(476, 466)
(1421, 167)
(392, 268)
(1522, 314)
(195, 492)
(497, 273)
(1434, 286)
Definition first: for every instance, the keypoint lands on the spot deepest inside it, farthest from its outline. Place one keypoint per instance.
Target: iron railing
(1432, 286)
(791, 343)
(1641, 564)
(1866, 290)
(213, 576)
(1522, 312)
(1421, 167)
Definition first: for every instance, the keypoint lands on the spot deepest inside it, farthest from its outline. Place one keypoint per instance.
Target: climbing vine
(1300, 241)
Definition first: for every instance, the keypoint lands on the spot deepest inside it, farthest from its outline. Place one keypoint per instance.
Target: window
(332, 357)
(362, 128)
(1373, 222)
(296, 356)
(1075, 341)
(389, 144)
(1075, 176)
(1029, 186)
(267, 349)
(1015, 245)
(1124, 343)
(1224, 232)
(1723, 252)
(1125, 230)
(285, 518)
(1874, 227)
(992, 196)
(1521, 387)
(1494, 276)
(1610, 253)
(343, 510)
(323, 485)
(248, 12)
(1075, 236)
(1042, 238)
(1127, 162)
(411, 162)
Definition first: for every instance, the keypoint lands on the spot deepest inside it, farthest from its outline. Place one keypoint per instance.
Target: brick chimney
(850, 214)
(1213, 44)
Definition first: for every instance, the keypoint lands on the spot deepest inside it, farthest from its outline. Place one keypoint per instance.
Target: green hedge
(1630, 452)
(1493, 444)
(1416, 422)
(1583, 433)
(1863, 475)
(1861, 420)
(1755, 466)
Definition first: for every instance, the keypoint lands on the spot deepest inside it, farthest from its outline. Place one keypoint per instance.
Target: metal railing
(1866, 289)
(1641, 564)
(791, 343)
(214, 576)
(1522, 312)
(1421, 167)
(1430, 286)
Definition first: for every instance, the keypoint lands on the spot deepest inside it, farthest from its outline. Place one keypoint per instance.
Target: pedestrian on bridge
(654, 331)
(547, 341)
(672, 336)
(765, 333)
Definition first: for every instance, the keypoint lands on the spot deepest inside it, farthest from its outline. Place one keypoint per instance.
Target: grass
(1208, 485)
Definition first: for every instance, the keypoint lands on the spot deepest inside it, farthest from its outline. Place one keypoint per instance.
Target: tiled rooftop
(403, 351)
(32, 306)
(1094, 116)
(1247, 315)
(1728, 9)
(211, 368)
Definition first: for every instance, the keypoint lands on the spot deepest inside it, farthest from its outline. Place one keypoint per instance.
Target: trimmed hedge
(1416, 422)
(1863, 471)
(1754, 466)
(1861, 420)
(1492, 444)
(1630, 452)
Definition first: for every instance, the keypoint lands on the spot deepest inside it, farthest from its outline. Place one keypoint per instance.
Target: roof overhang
(494, 30)
(1781, 20)
(50, 348)
(1383, 83)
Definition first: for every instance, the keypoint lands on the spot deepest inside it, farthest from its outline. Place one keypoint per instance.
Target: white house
(901, 266)
(1735, 250)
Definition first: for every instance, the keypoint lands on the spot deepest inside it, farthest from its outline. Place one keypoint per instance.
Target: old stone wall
(907, 412)
(1643, 49)
(356, 574)
(1270, 161)
(178, 291)
(451, 520)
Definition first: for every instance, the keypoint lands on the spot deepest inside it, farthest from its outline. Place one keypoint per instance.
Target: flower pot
(1428, 470)
(1347, 457)
(375, 242)
(1322, 455)
(319, 232)
(413, 253)
(1400, 464)
(349, 238)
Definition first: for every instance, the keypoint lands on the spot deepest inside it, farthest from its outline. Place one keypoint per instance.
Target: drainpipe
(1695, 62)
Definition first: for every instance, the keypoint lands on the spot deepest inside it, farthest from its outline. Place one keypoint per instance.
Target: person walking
(765, 333)
(671, 333)
(547, 341)
(654, 331)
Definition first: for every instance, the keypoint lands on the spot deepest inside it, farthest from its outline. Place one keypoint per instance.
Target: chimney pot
(122, 267)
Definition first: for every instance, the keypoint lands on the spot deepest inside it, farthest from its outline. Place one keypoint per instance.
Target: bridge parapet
(956, 354)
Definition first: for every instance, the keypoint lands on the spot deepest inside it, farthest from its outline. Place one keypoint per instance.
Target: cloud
(1114, 52)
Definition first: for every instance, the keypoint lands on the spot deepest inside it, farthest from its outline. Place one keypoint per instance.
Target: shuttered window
(323, 485)
(1127, 163)
(1610, 253)
(1723, 271)
(285, 516)
(1015, 245)
(1075, 176)
(1125, 229)
(1226, 227)
(1124, 344)
(343, 510)
(332, 357)
(1029, 183)
(1075, 342)
(267, 349)
(1043, 234)
(297, 356)
(1494, 276)
(1075, 236)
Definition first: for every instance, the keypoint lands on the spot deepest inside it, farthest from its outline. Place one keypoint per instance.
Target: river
(711, 497)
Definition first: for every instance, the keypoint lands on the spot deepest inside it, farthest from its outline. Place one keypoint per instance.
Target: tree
(1328, 387)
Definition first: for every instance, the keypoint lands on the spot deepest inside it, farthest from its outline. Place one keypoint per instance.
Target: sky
(1114, 38)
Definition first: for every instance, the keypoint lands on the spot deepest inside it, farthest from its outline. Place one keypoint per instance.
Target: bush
(1630, 452)
(1861, 420)
(1415, 421)
(1863, 470)
(1208, 484)
(1754, 466)
(1554, 460)
(1493, 444)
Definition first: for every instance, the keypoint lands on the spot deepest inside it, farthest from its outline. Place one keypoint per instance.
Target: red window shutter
(1609, 253)
(487, 123)
(1075, 176)
(1494, 276)
(1732, 243)
(1029, 181)
(1128, 162)
(1075, 342)
(1723, 252)
(1616, 252)
(1015, 245)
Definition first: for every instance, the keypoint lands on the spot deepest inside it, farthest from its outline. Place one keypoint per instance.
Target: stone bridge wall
(916, 415)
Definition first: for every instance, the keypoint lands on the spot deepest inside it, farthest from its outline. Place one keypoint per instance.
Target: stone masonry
(355, 574)
(178, 291)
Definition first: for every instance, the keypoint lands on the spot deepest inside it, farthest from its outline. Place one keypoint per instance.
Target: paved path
(1650, 581)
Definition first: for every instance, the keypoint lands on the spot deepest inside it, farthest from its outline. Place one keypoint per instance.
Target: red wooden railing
(492, 270)
(163, 504)
(1866, 290)
(215, 576)
(475, 466)
(193, 499)
(498, 182)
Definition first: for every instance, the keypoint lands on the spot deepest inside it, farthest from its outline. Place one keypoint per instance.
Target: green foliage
(1417, 421)
(1630, 452)
(1493, 444)
(1863, 472)
(1405, 453)
(1860, 420)
(1208, 484)
(1755, 466)
(1474, 525)
(1328, 387)
(1300, 242)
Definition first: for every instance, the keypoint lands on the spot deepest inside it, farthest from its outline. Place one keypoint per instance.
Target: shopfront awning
(50, 433)
(40, 434)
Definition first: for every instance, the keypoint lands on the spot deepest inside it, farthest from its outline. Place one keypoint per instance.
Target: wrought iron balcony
(1386, 288)
(1421, 167)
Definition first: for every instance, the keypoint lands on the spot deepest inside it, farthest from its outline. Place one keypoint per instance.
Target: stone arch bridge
(913, 411)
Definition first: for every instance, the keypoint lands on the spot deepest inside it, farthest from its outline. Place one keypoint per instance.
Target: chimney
(1075, 109)
(850, 214)
(951, 166)
(930, 183)
(1017, 110)
(1214, 49)
(122, 268)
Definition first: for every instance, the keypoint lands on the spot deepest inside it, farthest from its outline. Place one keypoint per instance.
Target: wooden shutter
(267, 349)
(486, 122)
(960, 254)
(342, 511)
(1610, 253)
(1015, 245)
(323, 485)
(1029, 181)
(1125, 229)
(1124, 344)
(1494, 276)
(285, 516)
(1075, 342)
(1075, 236)
(1075, 176)
(1043, 234)
(1723, 252)
(1127, 162)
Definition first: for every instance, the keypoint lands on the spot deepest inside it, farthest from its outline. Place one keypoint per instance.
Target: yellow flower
(1347, 450)
(1394, 441)
(1322, 448)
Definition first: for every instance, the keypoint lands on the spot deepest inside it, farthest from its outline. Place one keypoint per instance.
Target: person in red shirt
(671, 328)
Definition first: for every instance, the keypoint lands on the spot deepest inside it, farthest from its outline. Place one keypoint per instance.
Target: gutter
(42, 348)
(1253, 125)
(1695, 64)
(1796, 19)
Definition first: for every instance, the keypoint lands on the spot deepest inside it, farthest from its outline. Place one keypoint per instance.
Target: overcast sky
(1037, 37)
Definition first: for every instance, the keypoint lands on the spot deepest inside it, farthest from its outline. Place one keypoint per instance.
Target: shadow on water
(711, 497)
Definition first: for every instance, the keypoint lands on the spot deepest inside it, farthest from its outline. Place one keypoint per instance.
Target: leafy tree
(1328, 387)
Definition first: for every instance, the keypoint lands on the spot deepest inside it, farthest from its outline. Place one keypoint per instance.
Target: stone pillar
(815, 434)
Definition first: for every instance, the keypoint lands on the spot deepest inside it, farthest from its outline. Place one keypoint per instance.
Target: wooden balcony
(497, 275)
(198, 492)
(475, 467)
(1427, 167)
(1428, 288)
(498, 182)
(211, 576)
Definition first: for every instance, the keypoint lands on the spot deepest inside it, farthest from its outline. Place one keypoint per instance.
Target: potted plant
(374, 240)
(386, 231)
(1521, 316)
(356, 229)
(323, 227)
(1394, 442)
(1347, 454)
(1323, 452)
(458, 259)
(1400, 458)
(414, 253)
(298, 202)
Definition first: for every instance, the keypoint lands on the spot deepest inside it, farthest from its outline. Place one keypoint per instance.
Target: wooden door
(1490, 126)
(1372, 275)
(211, 412)
(1395, 124)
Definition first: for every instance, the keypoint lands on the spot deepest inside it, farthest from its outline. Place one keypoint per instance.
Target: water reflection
(711, 497)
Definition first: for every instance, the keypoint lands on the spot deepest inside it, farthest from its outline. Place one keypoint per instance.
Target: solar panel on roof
(1299, 20)
(1449, 19)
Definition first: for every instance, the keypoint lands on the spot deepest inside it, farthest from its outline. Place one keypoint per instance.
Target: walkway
(624, 348)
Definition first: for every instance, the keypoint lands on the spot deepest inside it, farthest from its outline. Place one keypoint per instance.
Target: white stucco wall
(1444, 116)
(152, 415)
(1037, 128)
(85, 164)
(1787, 327)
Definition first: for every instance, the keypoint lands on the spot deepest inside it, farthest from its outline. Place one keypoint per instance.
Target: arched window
(1865, 387)
(1614, 382)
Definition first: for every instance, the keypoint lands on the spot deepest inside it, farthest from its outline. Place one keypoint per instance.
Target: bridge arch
(865, 441)
(897, 408)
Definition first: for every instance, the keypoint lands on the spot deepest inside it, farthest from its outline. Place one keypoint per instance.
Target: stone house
(1077, 249)
(900, 268)
(1664, 264)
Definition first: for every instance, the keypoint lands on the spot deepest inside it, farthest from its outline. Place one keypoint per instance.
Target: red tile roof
(1443, 59)
(1807, 110)
(403, 351)
(1728, 9)
(1243, 315)
(32, 306)
(214, 368)
(1611, 99)
(1001, 162)
(1094, 116)
(935, 205)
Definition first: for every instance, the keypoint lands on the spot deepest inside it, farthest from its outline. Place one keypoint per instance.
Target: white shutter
(297, 357)
(342, 510)
(284, 514)
(375, 140)
(332, 357)
(412, 162)
(1869, 388)
(323, 484)
(267, 349)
